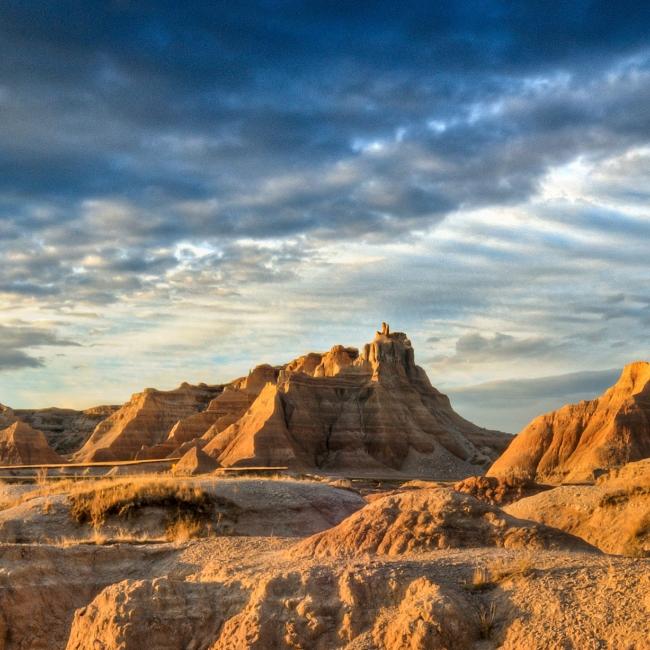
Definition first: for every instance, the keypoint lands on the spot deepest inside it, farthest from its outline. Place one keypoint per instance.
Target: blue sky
(189, 190)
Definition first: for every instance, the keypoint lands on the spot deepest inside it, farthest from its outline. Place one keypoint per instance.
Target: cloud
(510, 404)
(472, 172)
(474, 348)
(16, 338)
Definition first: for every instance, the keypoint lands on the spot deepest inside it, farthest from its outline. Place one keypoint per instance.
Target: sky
(190, 189)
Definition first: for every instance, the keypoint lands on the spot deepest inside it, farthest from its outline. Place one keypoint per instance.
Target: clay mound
(426, 520)
(578, 440)
(22, 445)
(373, 411)
(498, 491)
(144, 421)
(613, 515)
(194, 462)
(567, 600)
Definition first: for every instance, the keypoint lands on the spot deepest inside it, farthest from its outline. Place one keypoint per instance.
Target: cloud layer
(189, 191)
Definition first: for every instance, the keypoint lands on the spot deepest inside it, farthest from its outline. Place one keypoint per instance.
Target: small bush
(486, 616)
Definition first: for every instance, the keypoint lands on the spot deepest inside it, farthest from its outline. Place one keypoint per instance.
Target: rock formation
(7, 416)
(369, 411)
(499, 490)
(427, 520)
(613, 515)
(193, 462)
(571, 443)
(144, 421)
(20, 444)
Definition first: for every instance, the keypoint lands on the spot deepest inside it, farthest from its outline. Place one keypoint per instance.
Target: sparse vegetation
(487, 617)
(183, 529)
(621, 496)
(481, 580)
(520, 566)
(123, 499)
(41, 477)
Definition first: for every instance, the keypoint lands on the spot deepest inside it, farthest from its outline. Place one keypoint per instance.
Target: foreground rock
(379, 605)
(425, 520)
(22, 445)
(573, 442)
(373, 411)
(41, 586)
(613, 515)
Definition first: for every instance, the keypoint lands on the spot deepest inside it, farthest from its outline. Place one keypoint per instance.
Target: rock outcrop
(369, 411)
(20, 444)
(194, 462)
(144, 421)
(499, 491)
(573, 442)
(428, 520)
(7, 416)
(613, 515)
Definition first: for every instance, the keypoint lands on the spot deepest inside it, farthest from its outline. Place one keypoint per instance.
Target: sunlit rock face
(373, 410)
(20, 444)
(578, 439)
(144, 421)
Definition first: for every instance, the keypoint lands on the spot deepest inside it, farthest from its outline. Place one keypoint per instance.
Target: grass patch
(486, 616)
(481, 580)
(520, 566)
(189, 508)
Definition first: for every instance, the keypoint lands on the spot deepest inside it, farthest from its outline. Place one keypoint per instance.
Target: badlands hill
(372, 410)
(143, 421)
(22, 445)
(571, 443)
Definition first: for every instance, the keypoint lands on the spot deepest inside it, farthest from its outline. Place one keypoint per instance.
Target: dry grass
(41, 477)
(184, 529)
(520, 566)
(481, 580)
(484, 578)
(486, 616)
(123, 499)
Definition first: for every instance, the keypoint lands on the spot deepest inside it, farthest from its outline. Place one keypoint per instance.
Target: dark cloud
(287, 119)
(15, 339)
